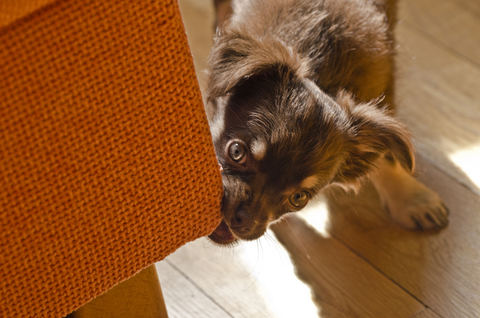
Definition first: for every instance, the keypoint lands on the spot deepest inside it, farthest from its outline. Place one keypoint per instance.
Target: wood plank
(438, 98)
(255, 279)
(198, 17)
(427, 313)
(471, 5)
(450, 23)
(258, 279)
(441, 269)
(183, 298)
(344, 284)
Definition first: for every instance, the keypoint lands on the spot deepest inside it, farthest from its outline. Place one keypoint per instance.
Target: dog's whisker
(298, 239)
(351, 206)
(254, 281)
(258, 242)
(278, 247)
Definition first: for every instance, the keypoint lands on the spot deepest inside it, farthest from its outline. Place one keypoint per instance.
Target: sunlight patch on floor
(317, 216)
(271, 267)
(468, 160)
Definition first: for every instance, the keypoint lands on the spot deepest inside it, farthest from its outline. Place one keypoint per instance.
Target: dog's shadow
(351, 265)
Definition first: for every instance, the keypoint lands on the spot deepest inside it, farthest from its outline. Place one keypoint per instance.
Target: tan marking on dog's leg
(409, 202)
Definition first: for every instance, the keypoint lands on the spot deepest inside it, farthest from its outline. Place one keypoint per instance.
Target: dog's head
(280, 139)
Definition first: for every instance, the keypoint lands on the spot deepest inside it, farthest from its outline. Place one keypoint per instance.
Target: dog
(300, 97)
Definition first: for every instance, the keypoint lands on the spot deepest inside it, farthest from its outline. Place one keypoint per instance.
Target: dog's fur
(306, 89)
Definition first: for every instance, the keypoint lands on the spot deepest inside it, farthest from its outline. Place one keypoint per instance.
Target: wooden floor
(343, 257)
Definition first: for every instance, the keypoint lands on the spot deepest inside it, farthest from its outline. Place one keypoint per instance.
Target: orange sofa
(106, 159)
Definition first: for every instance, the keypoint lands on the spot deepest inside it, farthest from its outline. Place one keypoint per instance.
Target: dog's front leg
(409, 202)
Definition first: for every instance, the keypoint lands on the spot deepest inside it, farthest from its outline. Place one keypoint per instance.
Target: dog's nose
(241, 220)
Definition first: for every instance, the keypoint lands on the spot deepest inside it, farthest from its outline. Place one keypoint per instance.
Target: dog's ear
(373, 132)
(237, 57)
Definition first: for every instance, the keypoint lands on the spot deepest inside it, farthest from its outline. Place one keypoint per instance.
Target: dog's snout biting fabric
(301, 97)
(241, 221)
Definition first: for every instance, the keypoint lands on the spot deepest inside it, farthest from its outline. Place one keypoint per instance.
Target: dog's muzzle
(222, 234)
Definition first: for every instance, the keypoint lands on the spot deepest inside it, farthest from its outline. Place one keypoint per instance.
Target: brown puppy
(300, 97)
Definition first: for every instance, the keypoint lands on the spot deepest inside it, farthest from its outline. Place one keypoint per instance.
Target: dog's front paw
(420, 209)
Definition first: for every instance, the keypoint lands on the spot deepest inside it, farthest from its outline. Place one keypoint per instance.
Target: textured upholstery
(106, 160)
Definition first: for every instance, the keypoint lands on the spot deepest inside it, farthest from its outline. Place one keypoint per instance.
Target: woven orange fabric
(106, 160)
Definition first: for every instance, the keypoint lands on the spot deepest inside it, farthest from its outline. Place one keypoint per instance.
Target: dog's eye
(299, 199)
(237, 152)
